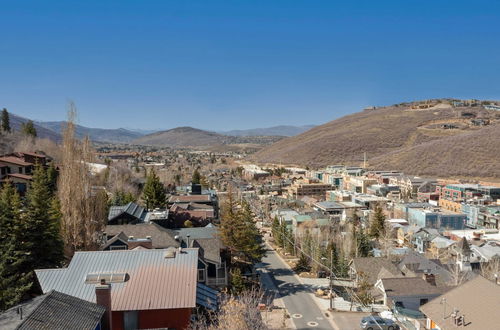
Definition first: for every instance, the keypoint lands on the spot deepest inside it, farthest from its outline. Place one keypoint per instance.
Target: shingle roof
(154, 281)
(55, 311)
(409, 286)
(197, 232)
(417, 263)
(478, 300)
(160, 237)
(371, 267)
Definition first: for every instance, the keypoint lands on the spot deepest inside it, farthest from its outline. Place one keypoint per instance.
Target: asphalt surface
(297, 299)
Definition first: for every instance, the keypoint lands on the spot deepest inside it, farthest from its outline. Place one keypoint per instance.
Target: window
(201, 275)
(20, 170)
(96, 278)
(118, 247)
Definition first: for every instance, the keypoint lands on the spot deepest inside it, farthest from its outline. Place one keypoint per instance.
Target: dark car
(377, 323)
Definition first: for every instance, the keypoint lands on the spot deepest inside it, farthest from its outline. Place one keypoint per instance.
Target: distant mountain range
(181, 137)
(282, 130)
(118, 135)
(441, 140)
(42, 132)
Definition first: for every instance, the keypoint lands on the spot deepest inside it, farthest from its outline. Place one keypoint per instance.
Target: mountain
(283, 130)
(42, 132)
(119, 135)
(192, 137)
(439, 140)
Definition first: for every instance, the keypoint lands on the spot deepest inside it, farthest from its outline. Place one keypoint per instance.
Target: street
(304, 312)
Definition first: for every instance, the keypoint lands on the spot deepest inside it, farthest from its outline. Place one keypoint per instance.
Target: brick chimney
(103, 298)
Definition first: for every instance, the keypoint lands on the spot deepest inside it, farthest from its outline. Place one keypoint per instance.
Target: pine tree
(14, 281)
(237, 281)
(154, 192)
(41, 220)
(52, 175)
(303, 265)
(239, 232)
(5, 120)
(29, 129)
(196, 179)
(275, 228)
(364, 245)
(377, 228)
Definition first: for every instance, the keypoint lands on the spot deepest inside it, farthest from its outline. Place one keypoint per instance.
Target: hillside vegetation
(401, 138)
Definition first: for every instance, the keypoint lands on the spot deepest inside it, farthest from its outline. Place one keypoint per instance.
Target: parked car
(377, 323)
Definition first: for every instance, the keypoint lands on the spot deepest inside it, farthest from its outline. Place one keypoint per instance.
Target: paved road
(297, 299)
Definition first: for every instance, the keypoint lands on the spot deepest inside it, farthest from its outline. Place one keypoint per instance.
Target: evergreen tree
(52, 175)
(154, 192)
(29, 129)
(41, 221)
(196, 179)
(121, 198)
(239, 232)
(377, 228)
(237, 281)
(303, 265)
(14, 280)
(364, 245)
(5, 120)
(277, 235)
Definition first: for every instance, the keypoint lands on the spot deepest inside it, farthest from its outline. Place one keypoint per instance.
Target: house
(199, 214)
(133, 213)
(17, 171)
(407, 294)
(55, 311)
(141, 289)
(372, 269)
(472, 305)
(415, 264)
(440, 246)
(212, 254)
(128, 214)
(209, 198)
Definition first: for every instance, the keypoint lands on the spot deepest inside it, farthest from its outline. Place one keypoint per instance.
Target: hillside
(282, 130)
(181, 137)
(119, 135)
(42, 132)
(402, 138)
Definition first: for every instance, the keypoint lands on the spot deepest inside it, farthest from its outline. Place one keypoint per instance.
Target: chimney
(430, 278)
(188, 236)
(103, 298)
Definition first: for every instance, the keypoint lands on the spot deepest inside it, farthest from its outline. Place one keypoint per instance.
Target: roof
(190, 198)
(20, 176)
(131, 208)
(209, 248)
(418, 263)
(55, 311)
(161, 238)
(442, 242)
(302, 218)
(197, 232)
(371, 267)
(154, 280)
(14, 160)
(478, 300)
(409, 286)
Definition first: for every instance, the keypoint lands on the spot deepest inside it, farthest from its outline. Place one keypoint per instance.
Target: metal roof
(131, 208)
(155, 282)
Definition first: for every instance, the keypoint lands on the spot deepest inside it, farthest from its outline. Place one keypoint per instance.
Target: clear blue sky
(241, 64)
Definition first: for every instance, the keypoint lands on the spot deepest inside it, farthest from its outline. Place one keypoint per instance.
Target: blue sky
(224, 65)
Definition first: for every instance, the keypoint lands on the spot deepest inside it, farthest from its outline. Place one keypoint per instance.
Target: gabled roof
(161, 238)
(409, 286)
(131, 208)
(155, 281)
(418, 264)
(55, 311)
(371, 267)
(478, 300)
(197, 232)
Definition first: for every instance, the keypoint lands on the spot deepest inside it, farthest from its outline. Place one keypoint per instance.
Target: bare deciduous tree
(82, 209)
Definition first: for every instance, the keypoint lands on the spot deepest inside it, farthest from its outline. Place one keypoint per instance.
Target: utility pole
(331, 279)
